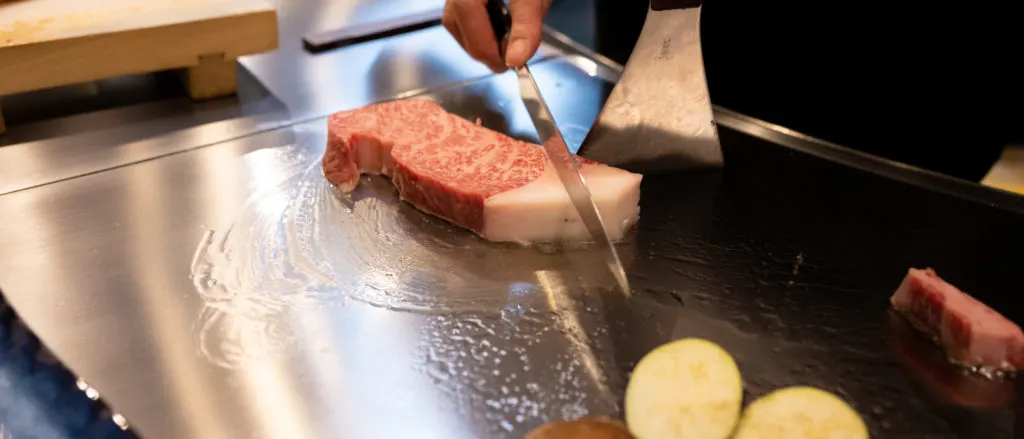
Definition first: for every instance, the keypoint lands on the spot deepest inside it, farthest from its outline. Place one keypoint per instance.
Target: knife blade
(557, 151)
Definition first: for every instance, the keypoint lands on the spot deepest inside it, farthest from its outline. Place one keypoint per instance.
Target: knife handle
(501, 22)
(668, 5)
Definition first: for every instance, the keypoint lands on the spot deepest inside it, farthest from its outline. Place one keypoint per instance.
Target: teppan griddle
(799, 254)
(786, 257)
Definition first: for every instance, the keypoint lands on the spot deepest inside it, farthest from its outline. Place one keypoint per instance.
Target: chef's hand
(467, 21)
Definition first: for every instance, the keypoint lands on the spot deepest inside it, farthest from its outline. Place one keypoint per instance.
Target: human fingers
(477, 34)
(451, 23)
(527, 23)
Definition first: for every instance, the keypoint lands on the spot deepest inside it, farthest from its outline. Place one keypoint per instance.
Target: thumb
(524, 37)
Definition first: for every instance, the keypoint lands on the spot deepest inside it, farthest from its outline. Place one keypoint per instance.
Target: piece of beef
(946, 381)
(501, 188)
(971, 333)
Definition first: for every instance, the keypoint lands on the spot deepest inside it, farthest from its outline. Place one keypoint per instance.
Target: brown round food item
(590, 427)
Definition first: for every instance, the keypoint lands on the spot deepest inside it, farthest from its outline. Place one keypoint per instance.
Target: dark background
(931, 87)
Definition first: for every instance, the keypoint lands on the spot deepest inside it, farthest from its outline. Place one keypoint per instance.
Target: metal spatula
(658, 117)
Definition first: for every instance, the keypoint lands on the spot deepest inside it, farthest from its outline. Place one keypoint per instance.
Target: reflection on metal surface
(145, 136)
(100, 265)
(92, 393)
(348, 35)
(588, 66)
(120, 421)
(149, 211)
(102, 275)
(297, 240)
(568, 322)
(513, 369)
(923, 178)
(575, 99)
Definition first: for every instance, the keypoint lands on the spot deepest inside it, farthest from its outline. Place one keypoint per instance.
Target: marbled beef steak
(499, 187)
(971, 333)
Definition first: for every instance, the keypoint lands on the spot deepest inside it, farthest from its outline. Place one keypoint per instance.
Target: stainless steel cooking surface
(227, 291)
(194, 268)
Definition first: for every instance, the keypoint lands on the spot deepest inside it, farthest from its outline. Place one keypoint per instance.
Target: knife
(554, 145)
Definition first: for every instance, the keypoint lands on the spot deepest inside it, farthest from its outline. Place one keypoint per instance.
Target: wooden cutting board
(49, 43)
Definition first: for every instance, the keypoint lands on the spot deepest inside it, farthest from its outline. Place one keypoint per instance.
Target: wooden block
(1008, 173)
(49, 43)
(214, 77)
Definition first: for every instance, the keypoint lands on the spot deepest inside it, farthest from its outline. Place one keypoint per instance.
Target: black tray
(797, 246)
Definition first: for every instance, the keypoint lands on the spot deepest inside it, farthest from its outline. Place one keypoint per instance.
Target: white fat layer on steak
(374, 156)
(541, 211)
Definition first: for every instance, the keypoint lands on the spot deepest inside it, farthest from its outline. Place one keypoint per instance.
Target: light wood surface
(49, 43)
(214, 76)
(1008, 172)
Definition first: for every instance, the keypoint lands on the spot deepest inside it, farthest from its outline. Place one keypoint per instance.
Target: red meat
(501, 188)
(971, 333)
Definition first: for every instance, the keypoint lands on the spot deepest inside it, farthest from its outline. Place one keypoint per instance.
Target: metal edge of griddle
(251, 126)
(573, 52)
(321, 41)
(563, 42)
(779, 135)
(427, 90)
(40, 380)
